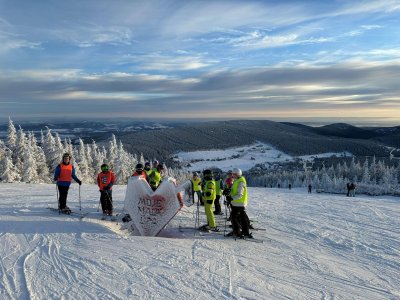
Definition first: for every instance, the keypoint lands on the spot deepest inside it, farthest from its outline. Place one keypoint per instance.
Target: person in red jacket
(139, 171)
(63, 175)
(105, 181)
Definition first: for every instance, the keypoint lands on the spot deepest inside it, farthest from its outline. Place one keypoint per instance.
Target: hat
(139, 167)
(237, 171)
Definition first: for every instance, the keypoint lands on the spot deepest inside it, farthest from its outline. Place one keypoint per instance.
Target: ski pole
(98, 207)
(109, 199)
(58, 200)
(197, 221)
(226, 214)
(80, 205)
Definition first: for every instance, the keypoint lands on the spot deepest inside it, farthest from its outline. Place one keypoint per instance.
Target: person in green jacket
(196, 183)
(155, 176)
(238, 201)
(208, 196)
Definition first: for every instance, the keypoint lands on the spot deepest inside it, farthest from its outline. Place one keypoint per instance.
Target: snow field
(316, 246)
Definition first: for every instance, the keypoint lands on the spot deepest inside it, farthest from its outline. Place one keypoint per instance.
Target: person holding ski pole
(196, 184)
(105, 181)
(63, 176)
(208, 196)
(238, 201)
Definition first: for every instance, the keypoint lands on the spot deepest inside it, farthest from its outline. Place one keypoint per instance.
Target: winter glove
(229, 199)
(79, 182)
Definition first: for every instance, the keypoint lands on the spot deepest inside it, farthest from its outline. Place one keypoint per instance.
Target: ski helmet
(237, 172)
(195, 174)
(139, 167)
(66, 155)
(105, 167)
(207, 172)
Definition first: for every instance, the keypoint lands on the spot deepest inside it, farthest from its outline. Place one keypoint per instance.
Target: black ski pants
(62, 196)
(239, 220)
(217, 205)
(106, 201)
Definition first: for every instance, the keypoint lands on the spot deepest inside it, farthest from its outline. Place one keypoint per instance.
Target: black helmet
(207, 172)
(139, 167)
(195, 174)
(66, 155)
(104, 167)
(160, 167)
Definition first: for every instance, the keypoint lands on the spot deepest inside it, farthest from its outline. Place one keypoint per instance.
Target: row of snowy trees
(24, 159)
(371, 177)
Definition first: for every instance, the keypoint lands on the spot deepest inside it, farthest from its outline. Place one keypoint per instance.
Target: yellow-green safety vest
(242, 202)
(196, 184)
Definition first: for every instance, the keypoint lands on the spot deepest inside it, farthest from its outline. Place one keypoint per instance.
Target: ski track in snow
(316, 246)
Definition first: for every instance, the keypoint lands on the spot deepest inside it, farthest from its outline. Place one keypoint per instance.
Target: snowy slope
(244, 157)
(315, 247)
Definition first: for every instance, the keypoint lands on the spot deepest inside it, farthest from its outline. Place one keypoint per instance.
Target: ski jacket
(218, 187)
(144, 174)
(154, 178)
(196, 184)
(229, 182)
(239, 192)
(64, 174)
(209, 190)
(105, 179)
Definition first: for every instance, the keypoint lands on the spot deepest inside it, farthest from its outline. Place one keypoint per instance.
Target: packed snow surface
(316, 246)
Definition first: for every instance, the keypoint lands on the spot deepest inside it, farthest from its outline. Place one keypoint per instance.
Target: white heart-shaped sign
(151, 211)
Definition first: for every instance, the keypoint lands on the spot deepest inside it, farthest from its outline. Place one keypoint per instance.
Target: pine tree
(11, 135)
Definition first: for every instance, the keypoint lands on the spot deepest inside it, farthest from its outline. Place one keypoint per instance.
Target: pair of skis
(222, 233)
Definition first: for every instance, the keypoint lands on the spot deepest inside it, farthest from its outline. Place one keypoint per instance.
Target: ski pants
(208, 208)
(106, 201)
(62, 196)
(217, 205)
(240, 220)
(199, 197)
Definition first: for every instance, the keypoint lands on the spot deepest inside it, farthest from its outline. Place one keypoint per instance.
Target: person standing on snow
(63, 176)
(218, 191)
(105, 181)
(196, 183)
(147, 168)
(208, 196)
(139, 171)
(238, 201)
(155, 176)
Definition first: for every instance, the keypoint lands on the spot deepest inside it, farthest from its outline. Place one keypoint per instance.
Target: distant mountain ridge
(291, 138)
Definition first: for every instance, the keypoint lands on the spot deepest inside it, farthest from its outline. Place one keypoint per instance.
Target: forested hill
(294, 139)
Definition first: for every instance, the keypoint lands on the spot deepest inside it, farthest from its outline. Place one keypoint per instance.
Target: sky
(286, 60)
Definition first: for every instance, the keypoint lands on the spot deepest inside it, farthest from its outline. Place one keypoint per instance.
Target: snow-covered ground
(244, 157)
(315, 246)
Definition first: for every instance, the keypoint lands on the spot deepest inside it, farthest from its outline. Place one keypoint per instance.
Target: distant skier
(352, 189)
(309, 188)
(290, 186)
(348, 189)
(63, 176)
(105, 181)
(208, 197)
(238, 201)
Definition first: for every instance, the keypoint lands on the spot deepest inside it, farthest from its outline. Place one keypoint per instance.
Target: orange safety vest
(104, 179)
(65, 173)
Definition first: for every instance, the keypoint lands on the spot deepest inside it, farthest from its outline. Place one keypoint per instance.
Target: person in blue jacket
(63, 175)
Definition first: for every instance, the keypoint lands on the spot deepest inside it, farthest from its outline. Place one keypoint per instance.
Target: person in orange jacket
(63, 175)
(105, 181)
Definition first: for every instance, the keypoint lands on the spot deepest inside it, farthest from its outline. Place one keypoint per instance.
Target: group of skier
(65, 172)
(234, 188)
(208, 190)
